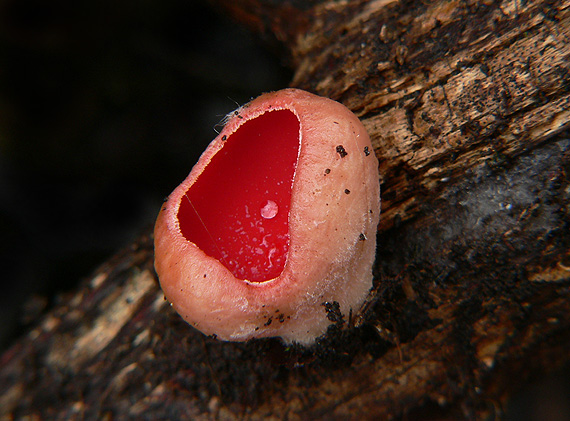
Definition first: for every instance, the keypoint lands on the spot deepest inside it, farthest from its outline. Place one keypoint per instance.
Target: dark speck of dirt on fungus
(333, 312)
(340, 150)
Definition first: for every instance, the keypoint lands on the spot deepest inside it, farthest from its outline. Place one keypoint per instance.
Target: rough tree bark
(466, 103)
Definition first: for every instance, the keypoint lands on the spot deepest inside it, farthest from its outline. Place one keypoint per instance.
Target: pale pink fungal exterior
(333, 218)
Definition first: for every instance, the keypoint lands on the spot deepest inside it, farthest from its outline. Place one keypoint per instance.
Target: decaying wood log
(466, 103)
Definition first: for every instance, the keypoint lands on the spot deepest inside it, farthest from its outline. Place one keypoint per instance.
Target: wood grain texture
(467, 104)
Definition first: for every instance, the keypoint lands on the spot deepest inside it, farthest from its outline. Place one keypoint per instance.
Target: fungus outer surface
(237, 211)
(278, 216)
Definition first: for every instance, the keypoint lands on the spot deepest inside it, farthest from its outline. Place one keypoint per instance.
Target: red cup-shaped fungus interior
(237, 211)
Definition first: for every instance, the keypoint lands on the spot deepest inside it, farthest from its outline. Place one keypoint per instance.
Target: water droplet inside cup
(269, 210)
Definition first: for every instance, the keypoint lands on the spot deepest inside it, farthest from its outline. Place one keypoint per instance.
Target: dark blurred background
(104, 108)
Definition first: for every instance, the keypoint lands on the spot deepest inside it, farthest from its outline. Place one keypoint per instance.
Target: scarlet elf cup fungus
(277, 218)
